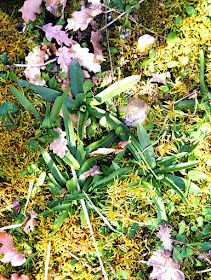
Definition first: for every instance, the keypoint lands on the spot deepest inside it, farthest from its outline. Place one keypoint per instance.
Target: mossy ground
(123, 206)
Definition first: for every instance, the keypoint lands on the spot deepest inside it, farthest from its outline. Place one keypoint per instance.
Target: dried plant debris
(29, 10)
(90, 172)
(160, 77)
(59, 145)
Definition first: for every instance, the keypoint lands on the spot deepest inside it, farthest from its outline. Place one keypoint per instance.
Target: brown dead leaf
(11, 254)
(160, 77)
(29, 10)
(59, 145)
(31, 223)
(15, 276)
(96, 38)
(81, 19)
(33, 73)
(164, 234)
(164, 267)
(52, 6)
(105, 151)
(91, 172)
(56, 33)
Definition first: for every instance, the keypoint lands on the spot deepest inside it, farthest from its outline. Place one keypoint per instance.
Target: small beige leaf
(29, 10)
(102, 151)
(91, 172)
(96, 38)
(160, 77)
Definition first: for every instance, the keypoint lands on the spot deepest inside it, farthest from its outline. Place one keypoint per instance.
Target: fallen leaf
(164, 267)
(16, 205)
(59, 145)
(91, 172)
(33, 73)
(56, 33)
(164, 234)
(96, 3)
(96, 38)
(106, 151)
(15, 276)
(52, 6)
(102, 151)
(81, 19)
(144, 41)
(29, 10)
(31, 223)
(11, 254)
(160, 77)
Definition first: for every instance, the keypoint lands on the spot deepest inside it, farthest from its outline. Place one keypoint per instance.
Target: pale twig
(200, 254)
(83, 204)
(121, 15)
(108, 46)
(47, 260)
(33, 65)
(204, 271)
(141, 153)
(140, 224)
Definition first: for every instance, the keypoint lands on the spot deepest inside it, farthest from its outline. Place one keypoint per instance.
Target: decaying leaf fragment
(91, 172)
(59, 145)
(56, 33)
(164, 267)
(164, 234)
(15, 276)
(106, 151)
(32, 71)
(11, 254)
(29, 10)
(81, 19)
(160, 77)
(96, 38)
(31, 223)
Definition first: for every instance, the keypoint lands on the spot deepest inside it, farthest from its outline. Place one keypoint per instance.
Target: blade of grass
(69, 130)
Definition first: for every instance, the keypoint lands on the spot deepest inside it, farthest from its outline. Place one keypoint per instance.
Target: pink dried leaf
(56, 33)
(11, 254)
(160, 77)
(31, 223)
(91, 172)
(29, 10)
(120, 147)
(165, 236)
(96, 38)
(102, 151)
(164, 267)
(81, 19)
(15, 276)
(16, 205)
(59, 145)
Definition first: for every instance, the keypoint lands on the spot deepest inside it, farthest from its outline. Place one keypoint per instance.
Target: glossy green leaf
(69, 130)
(76, 78)
(52, 166)
(169, 182)
(72, 185)
(181, 183)
(146, 145)
(177, 167)
(58, 223)
(24, 101)
(116, 89)
(82, 118)
(70, 160)
(158, 200)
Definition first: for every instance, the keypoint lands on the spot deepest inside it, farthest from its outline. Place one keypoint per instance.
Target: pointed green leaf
(76, 78)
(58, 223)
(69, 129)
(70, 160)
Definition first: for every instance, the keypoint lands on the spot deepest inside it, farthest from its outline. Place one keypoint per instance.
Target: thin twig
(32, 65)
(202, 255)
(109, 52)
(204, 271)
(47, 260)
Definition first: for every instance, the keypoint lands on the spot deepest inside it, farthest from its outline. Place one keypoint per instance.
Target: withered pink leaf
(121, 145)
(96, 38)
(164, 267)
(160, 77)
(81, 19)
(91, 172)
(15, 276)
(29, 10)
(59, 145)
(164, 234)
(31, 223)
(11, 254)
(16, 205)
(56, 33)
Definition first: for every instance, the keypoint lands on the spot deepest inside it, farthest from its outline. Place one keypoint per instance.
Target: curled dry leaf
(29, 10)
(11, 254)
(15, 276)
(164, 267)
(32, 73)
(160, 77)
(56, 33)
(91, 172)
(31, 223)
(81, 19)
(144, 41)
(59, 145)
(96, 38)
(105, 151)
(164, 234)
